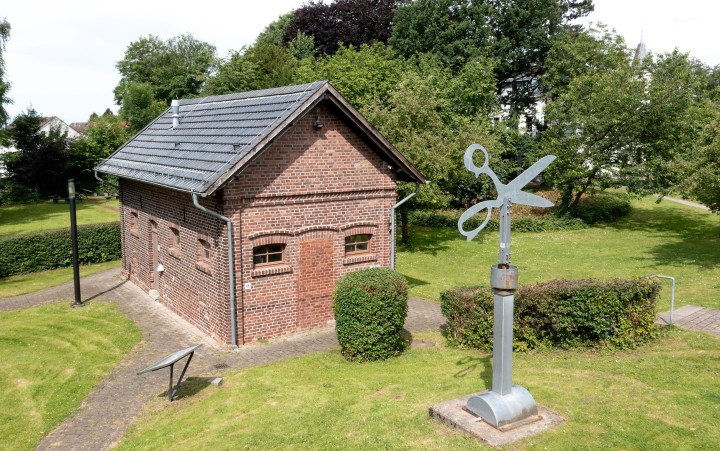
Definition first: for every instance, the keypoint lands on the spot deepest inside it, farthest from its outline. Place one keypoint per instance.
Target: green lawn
(30, 283)
(51, 357)
(664, 396)
(666, 238)
(30, 218)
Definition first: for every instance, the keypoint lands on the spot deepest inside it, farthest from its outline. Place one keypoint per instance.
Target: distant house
(46, 124)
(54, 122)
(305, 184)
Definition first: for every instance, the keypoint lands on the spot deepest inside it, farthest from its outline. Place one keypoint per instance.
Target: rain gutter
(231, 268)
(392, 223)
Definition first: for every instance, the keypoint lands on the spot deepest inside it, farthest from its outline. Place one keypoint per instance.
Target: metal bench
(170, 361)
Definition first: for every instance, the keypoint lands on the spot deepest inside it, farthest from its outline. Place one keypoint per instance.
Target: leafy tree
(178, 67)
(364, 75)
(273, 33)
(452, 30)
(516, 33)
(273, 65)
(615, 121)
(236, 73)
(704, 175)
(351, 22)
(139, 105)
(595, 120)
(103, 136)
(4, 85)
(40, 164)
(415, 119)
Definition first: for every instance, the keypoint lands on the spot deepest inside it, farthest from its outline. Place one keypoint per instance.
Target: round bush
(370, 309)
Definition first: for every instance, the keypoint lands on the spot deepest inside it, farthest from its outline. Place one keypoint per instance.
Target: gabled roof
(218, 136)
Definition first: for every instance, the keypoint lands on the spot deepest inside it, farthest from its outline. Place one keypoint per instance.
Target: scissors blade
(530, 173)
(529, 199)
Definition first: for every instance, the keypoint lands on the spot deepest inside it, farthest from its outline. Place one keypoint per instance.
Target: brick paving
(111, 407)
(695, 318)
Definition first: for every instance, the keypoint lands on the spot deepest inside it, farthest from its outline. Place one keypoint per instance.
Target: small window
(357, 244)
(269, 254)
(204, 251)
(134, 222)
(174, 242)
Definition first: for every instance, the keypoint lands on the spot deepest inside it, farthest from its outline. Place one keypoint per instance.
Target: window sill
(204, 267)
(175, 252)
(271, 270)
(360, 258)
(134, 233)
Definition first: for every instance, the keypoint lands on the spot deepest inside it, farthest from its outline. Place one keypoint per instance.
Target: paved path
(686, 202)
(696, 318)
(112, 406)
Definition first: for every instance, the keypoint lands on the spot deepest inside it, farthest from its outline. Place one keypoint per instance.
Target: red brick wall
(309, 190)
(198, 293)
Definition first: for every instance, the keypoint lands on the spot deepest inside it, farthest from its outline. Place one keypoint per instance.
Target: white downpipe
(392, 224)
(231, 269)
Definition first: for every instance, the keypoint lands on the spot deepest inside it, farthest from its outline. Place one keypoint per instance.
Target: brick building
(298, 182)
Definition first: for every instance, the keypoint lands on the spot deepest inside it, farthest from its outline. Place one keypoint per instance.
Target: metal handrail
(672, 295)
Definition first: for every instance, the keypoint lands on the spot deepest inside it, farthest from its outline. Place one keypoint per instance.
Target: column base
(504, 412)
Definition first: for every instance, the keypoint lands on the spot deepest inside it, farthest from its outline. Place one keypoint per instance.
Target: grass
(30, 283)
(31, 218)
(666, 396)
(666, 238)
(52, 356)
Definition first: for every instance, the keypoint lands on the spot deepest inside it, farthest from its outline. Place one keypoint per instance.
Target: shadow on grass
(189, 387)
(433, 240)
(692, 237)
(470, 365)
(413, 282)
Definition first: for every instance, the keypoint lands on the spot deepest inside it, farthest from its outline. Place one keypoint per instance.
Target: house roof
(218, 136)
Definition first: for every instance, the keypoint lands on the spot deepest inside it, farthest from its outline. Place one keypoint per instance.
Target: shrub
(602, 208)
(97, 243)
(370, 309)
(558, 314)
(449, 218)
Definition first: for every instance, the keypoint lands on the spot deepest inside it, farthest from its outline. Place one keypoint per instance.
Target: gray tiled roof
(217, 133)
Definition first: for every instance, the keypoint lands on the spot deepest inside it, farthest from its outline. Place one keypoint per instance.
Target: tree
(615, 121)
(518, 34)
(103, 136)
(273, 33)
(351, 22)
(40, 164)
(236, 73)
(140, 106)
(703, 177)
(595, 119)
(4, 85)
(176, 68)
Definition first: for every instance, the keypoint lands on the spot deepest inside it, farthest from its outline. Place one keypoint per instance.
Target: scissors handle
(487, 205)
(470, 164)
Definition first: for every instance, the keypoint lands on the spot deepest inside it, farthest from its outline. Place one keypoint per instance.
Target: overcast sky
(61, 54)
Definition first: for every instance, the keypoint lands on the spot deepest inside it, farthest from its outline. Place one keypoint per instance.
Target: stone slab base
(453, 414)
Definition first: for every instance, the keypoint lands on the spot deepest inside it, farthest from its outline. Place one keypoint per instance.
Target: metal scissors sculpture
(512, 191)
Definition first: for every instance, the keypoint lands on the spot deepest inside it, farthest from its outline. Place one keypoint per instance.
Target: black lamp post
(73, 234)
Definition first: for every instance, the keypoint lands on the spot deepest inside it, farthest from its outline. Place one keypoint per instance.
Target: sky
(61, 55)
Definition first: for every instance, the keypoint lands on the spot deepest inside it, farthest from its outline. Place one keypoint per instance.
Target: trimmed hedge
(558, 314)
(370, 308)
(97, 243)
(449, 218)
(602, 208)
